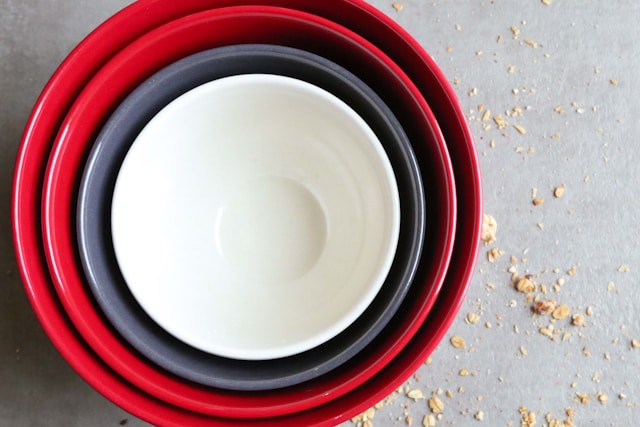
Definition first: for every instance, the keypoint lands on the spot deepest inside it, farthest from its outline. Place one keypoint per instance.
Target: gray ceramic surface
(94, 206)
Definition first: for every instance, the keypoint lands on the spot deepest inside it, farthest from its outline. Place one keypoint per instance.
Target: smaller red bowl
(217, 27)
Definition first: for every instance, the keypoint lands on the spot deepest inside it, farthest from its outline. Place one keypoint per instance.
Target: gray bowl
(94, 207)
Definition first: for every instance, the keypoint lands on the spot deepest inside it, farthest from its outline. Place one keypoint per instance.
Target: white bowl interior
(255, 217)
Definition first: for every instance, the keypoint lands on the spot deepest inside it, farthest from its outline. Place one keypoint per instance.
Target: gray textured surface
(579, 48)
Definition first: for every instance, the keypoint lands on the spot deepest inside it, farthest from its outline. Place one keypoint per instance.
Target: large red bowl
(80, 67)
(197, 32)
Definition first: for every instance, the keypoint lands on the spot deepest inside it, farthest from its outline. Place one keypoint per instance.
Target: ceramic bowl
(255, 217)
(47, 116)
(175, 40)
(94, 205)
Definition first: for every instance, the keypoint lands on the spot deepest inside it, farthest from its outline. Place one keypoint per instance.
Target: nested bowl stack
(200, 259)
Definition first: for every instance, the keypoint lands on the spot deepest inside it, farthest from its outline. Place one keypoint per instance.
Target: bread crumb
(583, 398)
(472, 318)
(577, 319)
(544, 307)
(429, 421)
(525, 285)
(398, 6)
(415, 394)
(436, 405)
(500, 122)
(457, 341)
(494, 253)
(489, 229)
(602, 398)
(528, 418)
(558, 191)
(561, 312)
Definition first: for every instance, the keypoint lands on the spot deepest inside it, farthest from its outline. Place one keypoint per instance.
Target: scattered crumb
(398, 6)
(415, 394)
(520, 129)
(528, 418)
(614, 82)
(538, 201)
(635, 343)
(429, 421)
(500, 122)
(472, 318)
(623, 268)
(479, 416)
(544, 307)
(489, 229)
(582, 398)
(577, 319)
(494, 253)
(558, 191)
(436, 405)
(561, 312)
(602, 398)
(546, 2)
(525, 285)
(457, 341)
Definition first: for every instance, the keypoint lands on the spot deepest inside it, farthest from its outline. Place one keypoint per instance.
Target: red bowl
(80, 67)
(195, 33)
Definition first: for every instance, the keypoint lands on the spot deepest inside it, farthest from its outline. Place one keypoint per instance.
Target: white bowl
(255, 217)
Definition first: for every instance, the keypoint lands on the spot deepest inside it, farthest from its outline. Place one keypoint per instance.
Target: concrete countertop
(560, 179)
